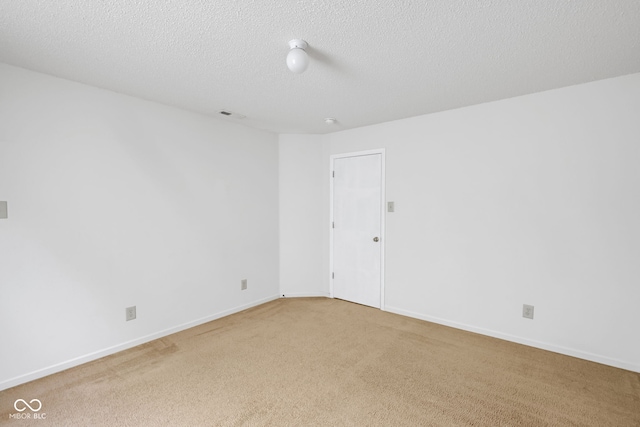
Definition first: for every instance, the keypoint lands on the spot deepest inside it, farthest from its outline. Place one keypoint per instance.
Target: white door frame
(383, 198)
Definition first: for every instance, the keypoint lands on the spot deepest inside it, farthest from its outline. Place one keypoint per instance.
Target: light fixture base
(297, 43)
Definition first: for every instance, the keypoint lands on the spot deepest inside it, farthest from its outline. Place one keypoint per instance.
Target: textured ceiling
(371, 61)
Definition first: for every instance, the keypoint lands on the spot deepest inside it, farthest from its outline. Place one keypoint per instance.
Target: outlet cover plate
(131, 313)
(3, 210)
(243, 285)
(527, 311)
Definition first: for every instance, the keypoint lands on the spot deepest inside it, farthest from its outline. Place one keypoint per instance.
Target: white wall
(531, 200)
(303, 216)
(114, 201)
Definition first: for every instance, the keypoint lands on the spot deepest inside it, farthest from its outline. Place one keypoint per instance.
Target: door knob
(375, 239)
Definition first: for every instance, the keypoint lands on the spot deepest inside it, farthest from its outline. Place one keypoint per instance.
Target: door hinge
(333, 275)
(333, 174)
(333, 225)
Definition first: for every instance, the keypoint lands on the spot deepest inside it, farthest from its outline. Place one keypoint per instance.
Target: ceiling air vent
(231, 114)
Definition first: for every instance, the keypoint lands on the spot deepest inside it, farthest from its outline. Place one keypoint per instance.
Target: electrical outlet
(243, 285)
(527, 311)
(391, 207)
(131, 313)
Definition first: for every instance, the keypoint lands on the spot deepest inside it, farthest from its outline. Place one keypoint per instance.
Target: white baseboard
(40, 373)
(304, 295)
(532, 343)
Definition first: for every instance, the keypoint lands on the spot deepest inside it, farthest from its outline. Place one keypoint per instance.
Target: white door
(357, 229)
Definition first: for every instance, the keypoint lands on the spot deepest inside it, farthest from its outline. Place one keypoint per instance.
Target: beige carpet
(317, 361)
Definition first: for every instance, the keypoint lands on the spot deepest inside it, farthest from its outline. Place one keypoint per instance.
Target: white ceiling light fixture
(297, 58)
(330, 121)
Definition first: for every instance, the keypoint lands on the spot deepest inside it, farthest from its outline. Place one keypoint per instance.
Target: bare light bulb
(297, 58)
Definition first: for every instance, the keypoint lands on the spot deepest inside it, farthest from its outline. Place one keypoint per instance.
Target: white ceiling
(371, 61)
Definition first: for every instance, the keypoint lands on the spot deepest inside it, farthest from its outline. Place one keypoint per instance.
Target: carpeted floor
(317, 361)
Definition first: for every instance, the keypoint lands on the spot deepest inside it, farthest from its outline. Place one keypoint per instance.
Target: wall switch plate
(131, 313)
(527, 311)
(243, 284)
(3, 210)
(391, 207)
